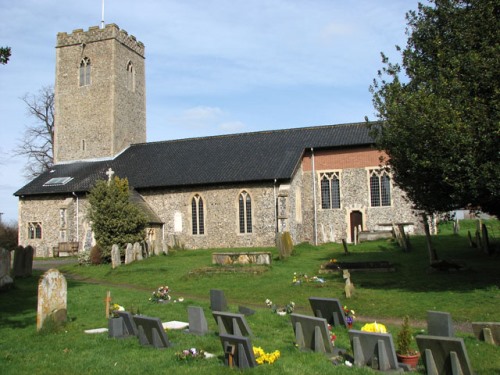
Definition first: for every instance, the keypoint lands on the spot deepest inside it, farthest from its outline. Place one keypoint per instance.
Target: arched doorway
(356, 219)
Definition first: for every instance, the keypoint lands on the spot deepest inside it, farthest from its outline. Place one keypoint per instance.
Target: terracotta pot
(411, 360)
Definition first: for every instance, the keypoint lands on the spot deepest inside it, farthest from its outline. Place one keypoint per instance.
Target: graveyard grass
(470, 295)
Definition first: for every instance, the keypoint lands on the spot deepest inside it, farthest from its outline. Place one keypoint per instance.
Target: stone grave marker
(238, 351)
(444, 355)
(116, 260)
(197, 321)
(245, 310)
(233, 324)
(164, 247)
(439, 324)
(150, 332)
(349, 286)
(129, 254)
(329, 309)
(52, 298)
(5, 279)
(122, 326)
(28, 261)
(137, 251)
(487, 331)
(311, 334)
(344, 244)
(218, 300)
(18, 264)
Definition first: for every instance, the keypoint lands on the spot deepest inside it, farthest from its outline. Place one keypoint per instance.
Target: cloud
(211, 119)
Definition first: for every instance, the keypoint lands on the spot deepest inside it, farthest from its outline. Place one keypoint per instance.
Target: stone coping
(250, 257)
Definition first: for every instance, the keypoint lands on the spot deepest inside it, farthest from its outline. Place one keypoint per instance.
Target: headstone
(164, 247)
(349, 287)
(486, 240)
(137, 251)
(344, 244)
(18, 266)
(311, 334)
(439, 324)
(5, 279)
(374, 350)
(444, 355)
(238, 351)
(122, 326)
(233, 324)
(218, 300)
(52, 298)
(329, 309)
(197, 321)
(284, 244)
(129, 254)
(157, 248)
(245, 310)
(487, 331)
(115, 256)
(150, 332)
(28, 261)
(145, 249)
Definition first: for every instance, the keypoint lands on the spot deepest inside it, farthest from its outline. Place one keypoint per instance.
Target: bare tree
(37, 143)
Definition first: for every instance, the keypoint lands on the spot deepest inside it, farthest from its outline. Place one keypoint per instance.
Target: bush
(96, 255)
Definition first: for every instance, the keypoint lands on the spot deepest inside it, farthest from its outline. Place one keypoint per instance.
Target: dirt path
(46, 264)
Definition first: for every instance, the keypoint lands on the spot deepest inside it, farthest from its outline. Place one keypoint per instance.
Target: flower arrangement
(287, 309)
(262, 357)
(301, 278)
(115, 307)
(190, 354)
(333, 336)
(374, 327)
(350, 315)
(161, 295)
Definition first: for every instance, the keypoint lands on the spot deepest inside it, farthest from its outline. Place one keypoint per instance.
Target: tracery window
(330, 190)
(245, 212)
(85, 72)
(197, 215)
(380, 188)
(34, 230)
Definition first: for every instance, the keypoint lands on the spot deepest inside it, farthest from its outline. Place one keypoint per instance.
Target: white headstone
(137, 251)
(129, 254)
(115, 256)
(52, 298)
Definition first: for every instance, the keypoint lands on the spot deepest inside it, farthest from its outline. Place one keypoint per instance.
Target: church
(321, 184)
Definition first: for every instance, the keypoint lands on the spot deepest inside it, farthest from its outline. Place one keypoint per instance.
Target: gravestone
(150, 332)
(487, 331)
(439, 324)
(284, 244)
(245, 310)
(233, 324)
(116, 260)
(311, 334)
(122, 326)
(373, 349)
(129, 254)
(197, 321)
(164, 247)
(329, 309)
(18, 266)
(52, 298)
(28, 261)
(137, 251)
(349, 287)
(5, 279)
(444, 355)
(344, 245)
(238, 351)
(218, 300)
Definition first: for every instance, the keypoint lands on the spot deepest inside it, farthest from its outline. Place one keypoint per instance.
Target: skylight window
(58, 181)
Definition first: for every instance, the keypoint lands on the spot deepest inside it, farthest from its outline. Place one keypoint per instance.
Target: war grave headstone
(329, 309)
(197, 321)
(439, 324)
(230, 323)
(122, 326)
(218, 300)
(150, 332)
(5, 280)
(115, 256)
(375, 350)
(487, 331)
(311, 334)
(52, 298)
(238, 351)
(129, 254)
(444, 355)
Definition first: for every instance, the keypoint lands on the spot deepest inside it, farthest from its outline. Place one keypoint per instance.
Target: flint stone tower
(100, 93)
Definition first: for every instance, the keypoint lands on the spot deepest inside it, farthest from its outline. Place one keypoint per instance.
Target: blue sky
(212, 66)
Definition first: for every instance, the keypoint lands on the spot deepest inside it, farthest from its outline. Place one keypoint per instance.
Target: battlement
(96, 34)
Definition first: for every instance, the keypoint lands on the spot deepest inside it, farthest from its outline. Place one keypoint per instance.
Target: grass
(471, 295)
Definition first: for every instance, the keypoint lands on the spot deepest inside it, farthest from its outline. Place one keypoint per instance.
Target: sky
(212, 66)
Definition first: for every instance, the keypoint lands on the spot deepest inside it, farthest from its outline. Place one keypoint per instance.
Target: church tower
(100, 93)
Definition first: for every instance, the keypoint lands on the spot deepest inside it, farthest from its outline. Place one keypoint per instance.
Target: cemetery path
(46, 264)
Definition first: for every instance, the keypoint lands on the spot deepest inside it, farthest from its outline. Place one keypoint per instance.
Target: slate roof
(235, 158)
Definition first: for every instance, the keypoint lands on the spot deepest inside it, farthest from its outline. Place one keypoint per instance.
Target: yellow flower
(374, 327)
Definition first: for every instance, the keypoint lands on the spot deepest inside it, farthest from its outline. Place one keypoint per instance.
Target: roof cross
(110, 174)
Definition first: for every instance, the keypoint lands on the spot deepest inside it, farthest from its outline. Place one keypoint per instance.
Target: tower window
(130, 77)
(197, 215)
(85, 72)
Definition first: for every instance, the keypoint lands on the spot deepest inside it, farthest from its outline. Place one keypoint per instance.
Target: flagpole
(102, 15)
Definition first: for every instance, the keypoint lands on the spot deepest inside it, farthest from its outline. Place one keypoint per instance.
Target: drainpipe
(314, 199)
(275, 209)
(77, 217)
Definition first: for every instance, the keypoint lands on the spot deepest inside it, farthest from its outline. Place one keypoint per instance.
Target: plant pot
(411, 359)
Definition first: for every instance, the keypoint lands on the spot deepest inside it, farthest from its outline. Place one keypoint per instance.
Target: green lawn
(470, 295)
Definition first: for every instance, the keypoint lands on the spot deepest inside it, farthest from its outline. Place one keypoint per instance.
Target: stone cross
(52, 298)
(110, 174)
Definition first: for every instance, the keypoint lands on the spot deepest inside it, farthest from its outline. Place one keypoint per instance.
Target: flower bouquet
(192, 354)
(287, 309)
(333, 336)
(349, 316)
(161, 295)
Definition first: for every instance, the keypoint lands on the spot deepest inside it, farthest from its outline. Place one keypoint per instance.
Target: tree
(38, 140)
(4, 55)
(115, 220)
(8, 235)
(440, 123)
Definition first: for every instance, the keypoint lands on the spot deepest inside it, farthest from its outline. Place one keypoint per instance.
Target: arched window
(245, 212)
(197, 215)
(130, 77)
(330, 190)
(34, 230)
(85, 72)
(380, 188)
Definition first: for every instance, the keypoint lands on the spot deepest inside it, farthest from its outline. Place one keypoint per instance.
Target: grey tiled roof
(235, 158)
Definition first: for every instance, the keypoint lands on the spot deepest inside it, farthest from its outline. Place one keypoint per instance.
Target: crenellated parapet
(96, 34)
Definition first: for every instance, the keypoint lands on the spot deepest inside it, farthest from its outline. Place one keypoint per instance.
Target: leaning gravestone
(52, 298)
(5, 279)
(129, 254)
(439, 324)
(197, 321)
(115, 256)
